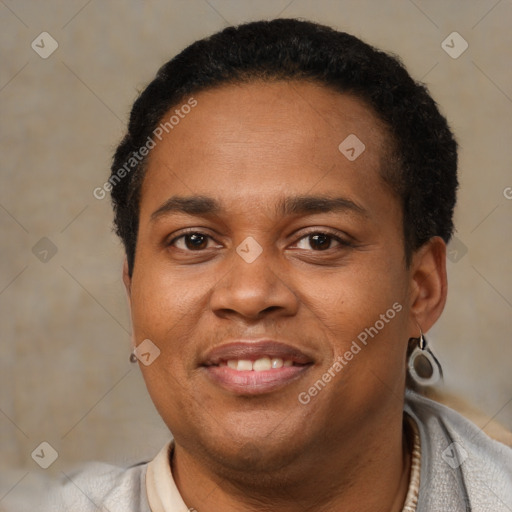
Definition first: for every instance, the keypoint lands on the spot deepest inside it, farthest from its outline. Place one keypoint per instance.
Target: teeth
(244, 365)
(277, 362)
(260, 365)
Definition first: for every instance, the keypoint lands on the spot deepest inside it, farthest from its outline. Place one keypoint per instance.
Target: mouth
(255, 367)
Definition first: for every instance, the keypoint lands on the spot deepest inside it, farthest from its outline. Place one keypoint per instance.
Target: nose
(253, 290)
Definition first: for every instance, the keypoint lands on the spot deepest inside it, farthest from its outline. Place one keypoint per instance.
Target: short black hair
(421, 169)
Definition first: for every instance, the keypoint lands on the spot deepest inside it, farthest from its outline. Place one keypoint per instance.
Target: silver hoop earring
(424, 368)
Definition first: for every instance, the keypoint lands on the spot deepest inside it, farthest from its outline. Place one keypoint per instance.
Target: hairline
(388, 148)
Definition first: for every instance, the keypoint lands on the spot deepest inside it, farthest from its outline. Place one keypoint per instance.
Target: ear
(428, 285)
(127, 280)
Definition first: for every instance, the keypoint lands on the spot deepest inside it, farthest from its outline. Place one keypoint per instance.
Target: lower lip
(254, 383)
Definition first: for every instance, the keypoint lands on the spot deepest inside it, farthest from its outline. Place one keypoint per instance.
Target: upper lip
(255, 349)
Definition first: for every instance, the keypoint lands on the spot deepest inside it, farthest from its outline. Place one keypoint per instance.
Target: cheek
(354, 297)
(363, 316)
(168, 393)
(161, 312)
(160, 301)
(166, 309)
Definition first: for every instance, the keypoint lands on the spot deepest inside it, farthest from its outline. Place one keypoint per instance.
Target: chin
(251, 458)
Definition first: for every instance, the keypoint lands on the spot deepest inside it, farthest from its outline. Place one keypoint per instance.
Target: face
(264, 256)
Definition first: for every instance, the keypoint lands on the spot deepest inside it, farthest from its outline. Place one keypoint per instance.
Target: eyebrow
(295, 205)
(319, 204)
(193, 205)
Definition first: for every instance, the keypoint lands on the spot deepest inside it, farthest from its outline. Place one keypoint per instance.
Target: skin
(249, 147)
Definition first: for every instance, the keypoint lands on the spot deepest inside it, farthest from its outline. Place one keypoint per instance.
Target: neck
(367, 470)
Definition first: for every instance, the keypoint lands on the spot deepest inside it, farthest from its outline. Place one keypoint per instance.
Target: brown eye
(191, 241)
(196, 241)
(320, 241)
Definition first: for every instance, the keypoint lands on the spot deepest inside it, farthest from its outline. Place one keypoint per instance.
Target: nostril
(271, 309)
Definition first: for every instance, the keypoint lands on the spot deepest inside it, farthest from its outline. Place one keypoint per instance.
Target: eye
(193, 241)
(319, 241)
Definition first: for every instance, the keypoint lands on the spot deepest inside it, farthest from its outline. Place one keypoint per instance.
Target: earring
(133, 357)
(424, 368)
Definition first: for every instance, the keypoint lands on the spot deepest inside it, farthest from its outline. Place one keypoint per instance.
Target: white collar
(163, 495)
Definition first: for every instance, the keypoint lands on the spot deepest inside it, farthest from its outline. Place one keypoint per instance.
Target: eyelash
(336, 236)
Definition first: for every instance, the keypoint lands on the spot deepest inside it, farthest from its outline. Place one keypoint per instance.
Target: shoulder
(109, 488)
(95, 487)
(459, 461)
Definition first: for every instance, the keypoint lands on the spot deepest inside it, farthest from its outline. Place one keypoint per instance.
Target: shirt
(461, 469)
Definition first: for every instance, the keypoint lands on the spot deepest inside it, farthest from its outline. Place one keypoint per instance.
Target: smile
(253, 368)
(260, 365)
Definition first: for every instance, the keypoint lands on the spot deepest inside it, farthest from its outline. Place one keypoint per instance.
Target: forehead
(259, 140)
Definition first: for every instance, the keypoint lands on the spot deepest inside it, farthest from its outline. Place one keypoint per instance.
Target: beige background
(64, 326)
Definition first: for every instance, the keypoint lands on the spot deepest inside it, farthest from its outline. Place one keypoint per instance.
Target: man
(285, 195)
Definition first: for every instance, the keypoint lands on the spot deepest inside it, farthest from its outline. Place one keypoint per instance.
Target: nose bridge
(253, 284)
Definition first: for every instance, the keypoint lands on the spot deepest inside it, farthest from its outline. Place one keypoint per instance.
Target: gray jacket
(462, 470)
